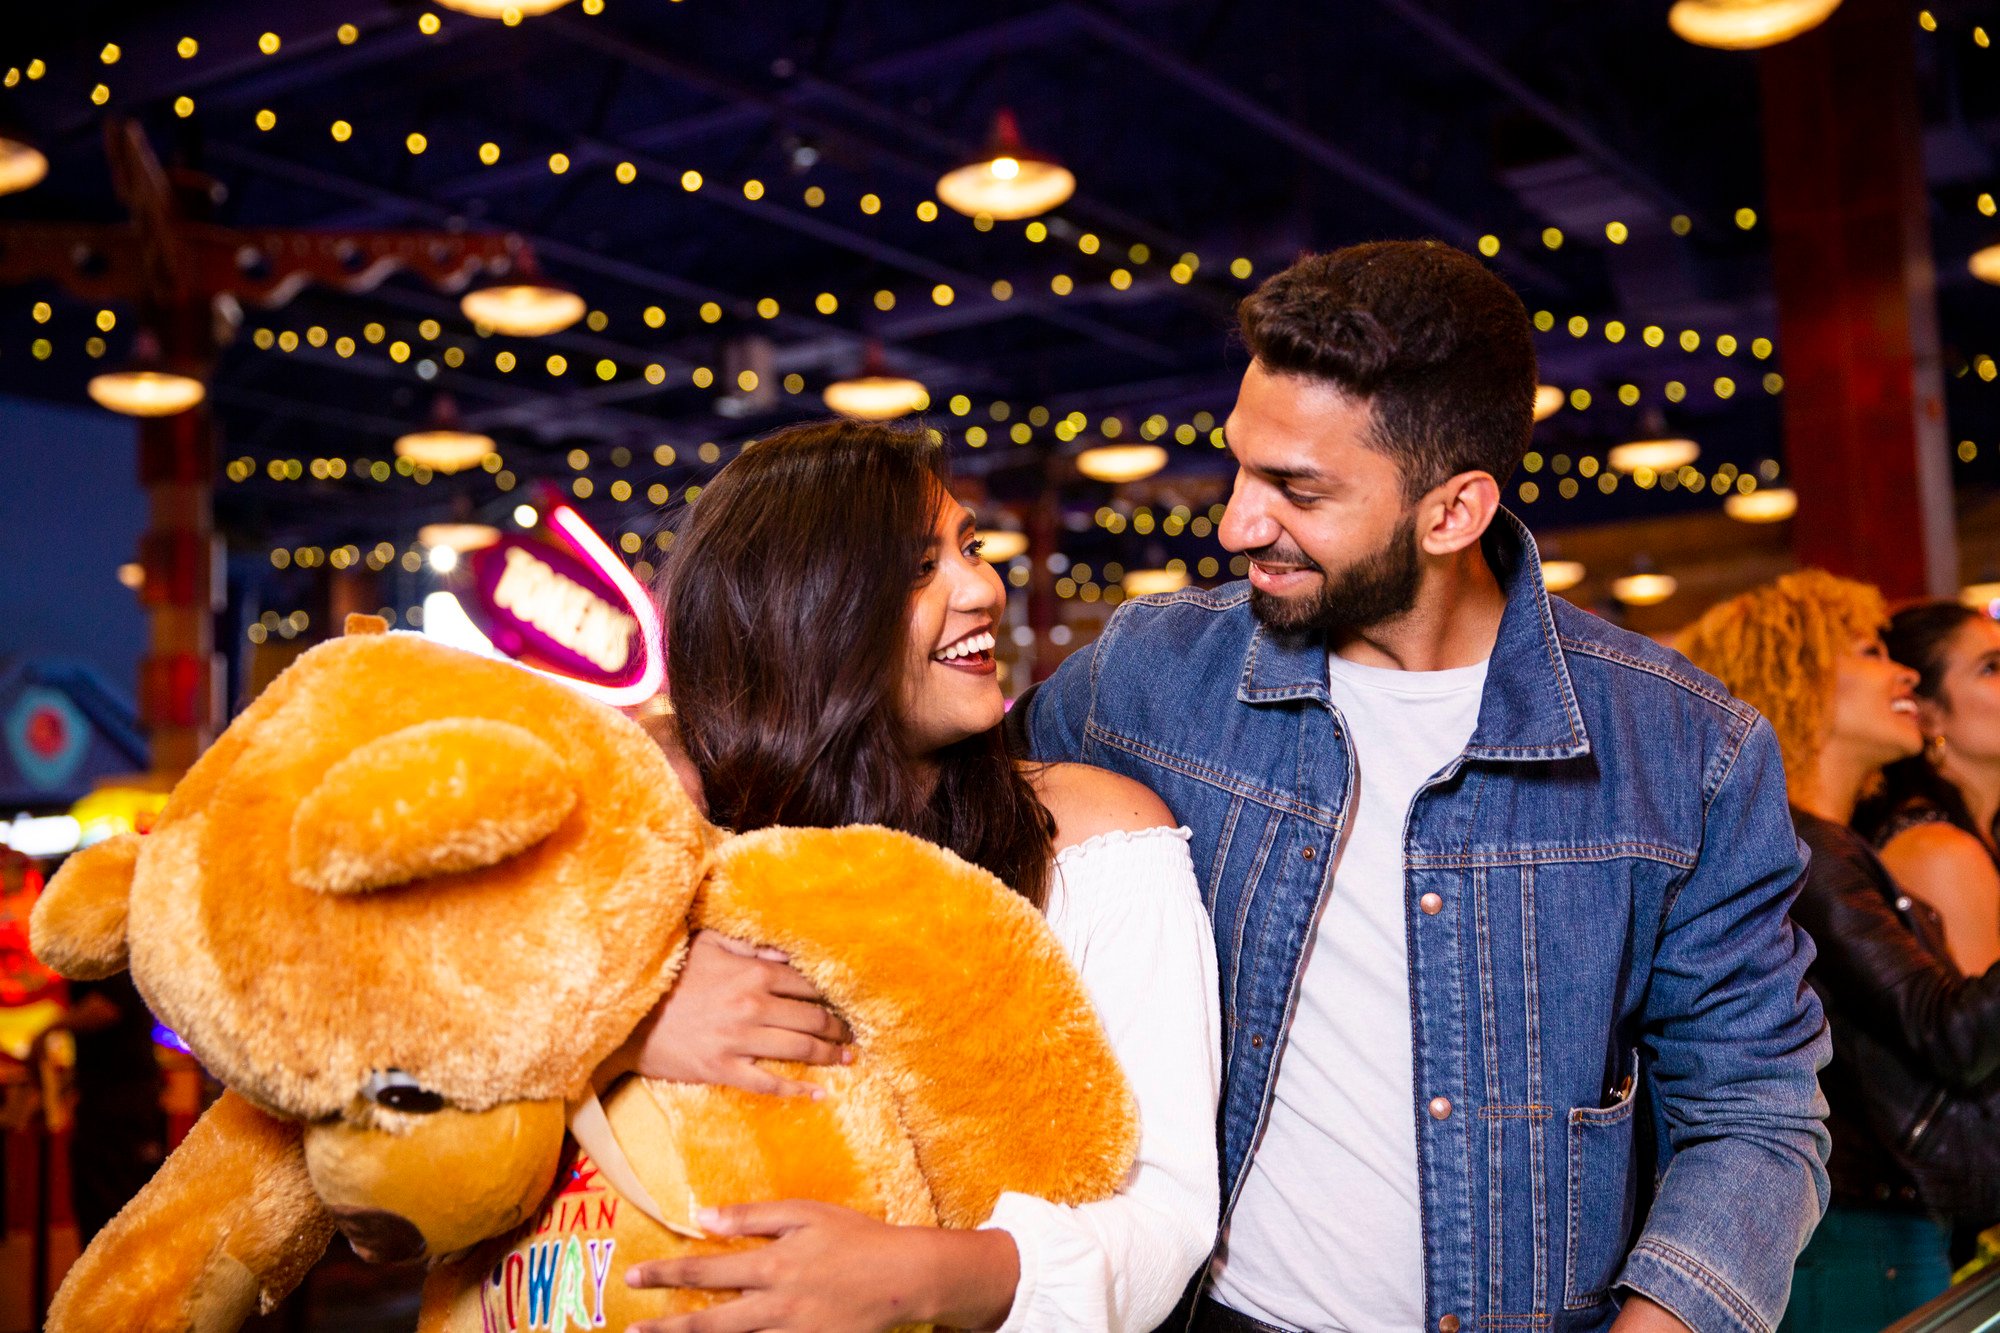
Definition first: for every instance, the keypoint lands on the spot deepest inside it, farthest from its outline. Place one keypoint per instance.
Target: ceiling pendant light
(1654, 455)
(511, 11)
(22, 165)
(1644, 586)
(459, 537)
(146, 393)
(1985, 264)
(1008, 181)
(523, 309)
(1121, 462)
(1763, 506)
(147, 387)
(999, 545)
(876, 394)
(1562, 575)
(1548, 401)
(1142, 581)
(1746, 25)
(443, 446)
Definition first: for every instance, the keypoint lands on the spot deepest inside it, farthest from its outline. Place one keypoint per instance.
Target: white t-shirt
(1326, 1234)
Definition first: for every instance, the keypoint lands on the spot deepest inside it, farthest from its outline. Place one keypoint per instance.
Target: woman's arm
(1132, 920)
(1129, 915)
(833, 1270)
(732, 1006)
(1950, 869)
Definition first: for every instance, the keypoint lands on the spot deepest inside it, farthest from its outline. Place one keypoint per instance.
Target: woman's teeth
(1903, 706)
(966, 647)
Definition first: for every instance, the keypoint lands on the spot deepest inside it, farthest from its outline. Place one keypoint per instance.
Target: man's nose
(1244, 526)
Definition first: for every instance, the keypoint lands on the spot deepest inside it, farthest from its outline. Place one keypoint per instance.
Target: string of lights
(1976, 33)
(869, 202)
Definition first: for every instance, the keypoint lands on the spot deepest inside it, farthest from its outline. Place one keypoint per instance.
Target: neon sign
(563, 604)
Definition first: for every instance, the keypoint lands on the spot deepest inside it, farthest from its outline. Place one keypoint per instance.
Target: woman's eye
(925, 568)
(975, 546)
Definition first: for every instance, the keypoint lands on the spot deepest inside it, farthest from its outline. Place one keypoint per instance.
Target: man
(1515, 1029)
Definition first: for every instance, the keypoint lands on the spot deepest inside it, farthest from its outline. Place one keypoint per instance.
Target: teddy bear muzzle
(425, 1186)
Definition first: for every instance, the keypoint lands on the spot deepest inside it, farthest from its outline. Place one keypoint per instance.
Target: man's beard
(1378, 587)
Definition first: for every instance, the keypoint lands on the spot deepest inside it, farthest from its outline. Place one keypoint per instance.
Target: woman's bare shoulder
(1087, 801)
(1939, 855)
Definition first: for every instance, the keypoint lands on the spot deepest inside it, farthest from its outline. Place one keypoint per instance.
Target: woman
(1913, 1038)
(831, 630)
(1934, 819)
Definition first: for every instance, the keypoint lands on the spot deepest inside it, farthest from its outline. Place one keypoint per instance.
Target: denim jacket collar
(1529, 709)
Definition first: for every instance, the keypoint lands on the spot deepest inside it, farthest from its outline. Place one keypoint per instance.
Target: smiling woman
(809, 602)
(1912, 1034)
(830, 629)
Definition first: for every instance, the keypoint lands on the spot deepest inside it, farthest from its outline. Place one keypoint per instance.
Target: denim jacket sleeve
(1736, 1040)
(1052, 713)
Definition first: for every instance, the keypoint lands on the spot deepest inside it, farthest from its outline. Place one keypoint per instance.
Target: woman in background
(1934, 818)
(1913, 1038)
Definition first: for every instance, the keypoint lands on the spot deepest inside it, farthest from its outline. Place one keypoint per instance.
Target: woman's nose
(979, 589)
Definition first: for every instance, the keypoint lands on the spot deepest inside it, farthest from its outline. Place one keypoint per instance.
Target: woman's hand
(731, 1006)
(833, 1270)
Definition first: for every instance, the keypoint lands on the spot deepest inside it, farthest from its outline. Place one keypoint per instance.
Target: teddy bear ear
(431, 799)
(78, 925)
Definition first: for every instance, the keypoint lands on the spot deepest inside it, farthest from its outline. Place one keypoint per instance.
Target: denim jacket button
(1257, 1040)
(1448, 1324)
(1308, 853)
(1441, 1110)
(1430, 904)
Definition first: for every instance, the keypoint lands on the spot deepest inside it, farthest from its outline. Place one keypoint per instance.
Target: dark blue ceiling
(1220, 129)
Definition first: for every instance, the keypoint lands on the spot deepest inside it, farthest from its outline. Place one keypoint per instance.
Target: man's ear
(78, 925)
(432, 799)
(1457, 512)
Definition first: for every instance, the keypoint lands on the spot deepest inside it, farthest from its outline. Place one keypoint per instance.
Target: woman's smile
(971, 653)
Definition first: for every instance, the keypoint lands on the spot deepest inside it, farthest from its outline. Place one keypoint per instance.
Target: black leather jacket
(1914, 1086)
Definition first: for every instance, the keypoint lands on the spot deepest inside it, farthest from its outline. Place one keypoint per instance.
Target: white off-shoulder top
(1126, 909)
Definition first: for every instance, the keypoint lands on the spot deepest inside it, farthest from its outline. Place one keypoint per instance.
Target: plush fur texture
(406, 864)
(150, 1271)
(956, 987)
(467, 792)
(78, 926)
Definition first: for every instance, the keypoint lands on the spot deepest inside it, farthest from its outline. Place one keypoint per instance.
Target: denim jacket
(1605, 987)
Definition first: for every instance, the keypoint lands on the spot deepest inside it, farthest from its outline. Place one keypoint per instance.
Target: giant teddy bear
(410, 900)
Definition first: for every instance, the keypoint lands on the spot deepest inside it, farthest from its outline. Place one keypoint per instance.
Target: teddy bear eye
(397, 1091)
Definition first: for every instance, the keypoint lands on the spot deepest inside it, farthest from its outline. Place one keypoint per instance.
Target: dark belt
(1209, 1317)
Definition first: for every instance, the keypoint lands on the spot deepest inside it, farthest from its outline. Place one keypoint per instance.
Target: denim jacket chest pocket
(1559, 888)
(1544, 1058)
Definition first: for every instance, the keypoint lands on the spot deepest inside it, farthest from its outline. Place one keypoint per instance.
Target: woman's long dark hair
(786, 602)
(1918, 636)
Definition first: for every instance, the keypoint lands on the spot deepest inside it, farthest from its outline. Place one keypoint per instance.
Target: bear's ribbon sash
(591, 1128)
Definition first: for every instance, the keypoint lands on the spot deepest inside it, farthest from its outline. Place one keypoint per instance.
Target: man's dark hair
(1438, 346)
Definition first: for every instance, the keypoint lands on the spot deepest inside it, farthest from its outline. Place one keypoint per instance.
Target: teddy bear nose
(380, 1237)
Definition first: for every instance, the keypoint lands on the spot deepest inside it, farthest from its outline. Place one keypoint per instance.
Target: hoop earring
(1934, 750)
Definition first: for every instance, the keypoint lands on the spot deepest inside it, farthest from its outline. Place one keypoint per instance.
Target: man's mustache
(1279, 554)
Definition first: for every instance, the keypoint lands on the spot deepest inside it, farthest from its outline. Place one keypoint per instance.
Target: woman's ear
(78, 925)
